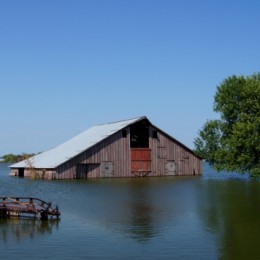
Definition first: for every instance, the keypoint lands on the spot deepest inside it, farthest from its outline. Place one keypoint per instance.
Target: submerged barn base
(33, 173)
(98, 173)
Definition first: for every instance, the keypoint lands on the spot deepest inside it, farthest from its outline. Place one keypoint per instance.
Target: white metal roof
(62, 153)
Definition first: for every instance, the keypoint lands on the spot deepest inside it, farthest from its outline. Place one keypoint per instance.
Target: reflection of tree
(16, 229)
(232, 212)
(141, 210)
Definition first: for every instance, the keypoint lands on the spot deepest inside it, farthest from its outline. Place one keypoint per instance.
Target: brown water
(215, 216)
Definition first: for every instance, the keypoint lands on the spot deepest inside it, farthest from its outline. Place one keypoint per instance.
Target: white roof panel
(62, 153)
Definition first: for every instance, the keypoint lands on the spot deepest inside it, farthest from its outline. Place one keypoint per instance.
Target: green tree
(232, 142)
(9, 158)
(13, 158)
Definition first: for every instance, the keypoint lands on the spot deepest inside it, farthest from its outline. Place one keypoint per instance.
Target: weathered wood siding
(113, 158)
(115, 150)
(168, 153)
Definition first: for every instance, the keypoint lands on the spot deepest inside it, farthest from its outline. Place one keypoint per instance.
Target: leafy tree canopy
(232, 142)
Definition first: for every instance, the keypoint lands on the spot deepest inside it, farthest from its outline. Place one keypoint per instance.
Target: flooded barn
(129, 148)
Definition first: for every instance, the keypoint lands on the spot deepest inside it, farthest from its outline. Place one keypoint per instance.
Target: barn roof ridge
(120, 121)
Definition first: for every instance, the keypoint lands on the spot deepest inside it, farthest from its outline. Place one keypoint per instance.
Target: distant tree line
(14, 158)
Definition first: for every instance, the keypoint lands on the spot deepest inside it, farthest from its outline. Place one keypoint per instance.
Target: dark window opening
(154, 134)
(124, 133)
(139, 135)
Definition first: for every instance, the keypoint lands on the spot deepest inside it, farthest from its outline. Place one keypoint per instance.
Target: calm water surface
(215, 216)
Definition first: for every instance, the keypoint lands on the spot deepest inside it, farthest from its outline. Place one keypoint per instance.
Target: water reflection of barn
(128, 148)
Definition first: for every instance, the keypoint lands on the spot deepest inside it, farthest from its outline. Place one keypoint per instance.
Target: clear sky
(68, 65)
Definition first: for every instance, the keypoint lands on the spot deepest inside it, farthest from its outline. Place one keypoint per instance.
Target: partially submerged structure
(27, 208)
(129, 148)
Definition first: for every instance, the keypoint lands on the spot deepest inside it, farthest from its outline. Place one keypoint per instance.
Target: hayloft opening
(139, 135)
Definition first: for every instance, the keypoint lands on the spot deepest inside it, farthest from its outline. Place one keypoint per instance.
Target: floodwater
(213, 216)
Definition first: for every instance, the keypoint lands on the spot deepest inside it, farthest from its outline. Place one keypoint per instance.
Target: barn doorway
(171, 168)
(106, 169)
(21, 172)
(140, 151)
(90, 170)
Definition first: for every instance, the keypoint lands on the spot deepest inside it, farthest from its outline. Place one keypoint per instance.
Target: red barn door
(140, 161)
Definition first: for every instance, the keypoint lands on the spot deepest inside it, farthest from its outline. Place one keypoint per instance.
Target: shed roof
(64, 152)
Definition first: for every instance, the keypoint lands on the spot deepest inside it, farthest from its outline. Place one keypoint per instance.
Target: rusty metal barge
(27, 207)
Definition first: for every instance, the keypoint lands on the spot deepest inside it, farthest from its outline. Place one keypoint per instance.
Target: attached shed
(129, 148)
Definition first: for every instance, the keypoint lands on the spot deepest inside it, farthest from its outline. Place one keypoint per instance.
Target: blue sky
(68, 65)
